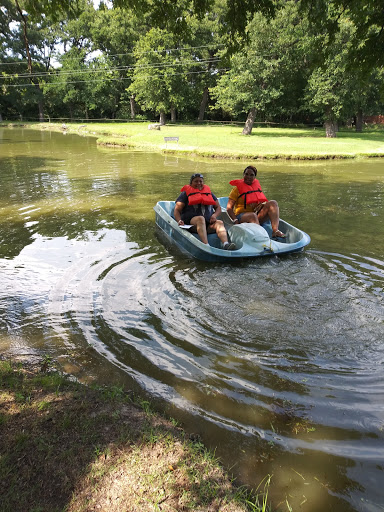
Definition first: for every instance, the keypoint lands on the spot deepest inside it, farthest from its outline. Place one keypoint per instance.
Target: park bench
(171, 139)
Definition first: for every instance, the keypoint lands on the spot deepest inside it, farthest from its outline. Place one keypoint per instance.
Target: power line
(186, 48)
(119, 79)
(25, 63)
(106, 70)
(213, 45)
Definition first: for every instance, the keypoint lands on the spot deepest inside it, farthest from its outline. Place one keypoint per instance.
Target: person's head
(197, 181)
(249, 174)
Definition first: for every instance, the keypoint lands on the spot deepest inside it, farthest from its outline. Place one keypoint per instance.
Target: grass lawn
(226, 141)
(68, 447)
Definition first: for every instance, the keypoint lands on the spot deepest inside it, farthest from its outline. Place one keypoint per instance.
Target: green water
(276, 362)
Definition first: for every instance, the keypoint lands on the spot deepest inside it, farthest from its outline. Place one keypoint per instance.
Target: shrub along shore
(227, 141)
(69, 447)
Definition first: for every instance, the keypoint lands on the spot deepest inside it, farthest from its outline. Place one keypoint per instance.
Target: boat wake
(285, 354)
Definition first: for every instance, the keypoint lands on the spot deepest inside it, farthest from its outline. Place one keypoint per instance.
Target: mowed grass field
(227, 141)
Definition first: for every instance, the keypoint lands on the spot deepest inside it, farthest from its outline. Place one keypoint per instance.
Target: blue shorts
(240, 215)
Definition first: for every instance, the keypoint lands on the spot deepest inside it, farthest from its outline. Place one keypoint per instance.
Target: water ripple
(189, 338)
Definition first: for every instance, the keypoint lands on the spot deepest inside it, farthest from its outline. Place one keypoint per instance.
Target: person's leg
(220, 231)
(271, 210)
(248, 217)
(200, 224)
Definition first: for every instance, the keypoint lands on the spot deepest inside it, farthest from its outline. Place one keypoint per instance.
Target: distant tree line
(287, 61)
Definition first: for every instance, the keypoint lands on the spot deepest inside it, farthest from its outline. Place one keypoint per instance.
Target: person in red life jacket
(247, 203)
(198, 206)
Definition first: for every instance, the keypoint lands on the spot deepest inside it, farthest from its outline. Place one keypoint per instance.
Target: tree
(7, 62)
(168, 57)
(172, 16)
(159, 79)
(367, 16)
(332, 82)
(115, 32)
(82, 88)
(32, 36)
(207, 43)
(24, 24)
(262, 72)
(54, 9)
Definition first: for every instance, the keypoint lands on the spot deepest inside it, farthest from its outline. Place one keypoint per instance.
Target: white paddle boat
(251, 240)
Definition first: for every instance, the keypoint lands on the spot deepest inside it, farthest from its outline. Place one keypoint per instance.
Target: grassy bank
(226, 141)
(68, 447)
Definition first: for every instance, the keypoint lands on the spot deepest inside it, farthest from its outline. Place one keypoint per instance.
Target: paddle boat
(252, 240)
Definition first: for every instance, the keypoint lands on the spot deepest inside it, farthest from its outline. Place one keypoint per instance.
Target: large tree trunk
(247, 130)
(359, 120)
(162, 119)
(330, 129)
(330, 124)
(203, 104)
(173, 115)
(133, 106)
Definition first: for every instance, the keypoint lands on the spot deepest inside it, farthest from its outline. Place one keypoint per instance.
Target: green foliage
(159, 80)
(52, 381)
(23, 398)
(294, 61)
(171, 15)
(261, 502)
(112, 393)
(367, 16)
(264, 73)
(330, 84)
(53, 8)
(10, 376)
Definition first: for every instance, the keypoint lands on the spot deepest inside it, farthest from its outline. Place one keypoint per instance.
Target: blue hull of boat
(252, 241)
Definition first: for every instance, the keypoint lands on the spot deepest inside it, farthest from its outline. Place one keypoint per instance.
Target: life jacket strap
(248, 192)
(198, 192)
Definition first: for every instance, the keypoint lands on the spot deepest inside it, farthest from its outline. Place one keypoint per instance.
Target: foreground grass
(226, 141)
(67, 447)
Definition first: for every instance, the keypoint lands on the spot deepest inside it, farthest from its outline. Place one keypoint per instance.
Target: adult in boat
(247, 203)
(199, 207)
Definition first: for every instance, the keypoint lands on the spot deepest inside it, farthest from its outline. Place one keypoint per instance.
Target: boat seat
(213, 240)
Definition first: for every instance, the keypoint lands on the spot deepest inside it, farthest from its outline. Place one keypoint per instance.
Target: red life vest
(196, 196)
(252, 193)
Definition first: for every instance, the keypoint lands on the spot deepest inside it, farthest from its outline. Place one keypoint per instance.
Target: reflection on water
(278, 362)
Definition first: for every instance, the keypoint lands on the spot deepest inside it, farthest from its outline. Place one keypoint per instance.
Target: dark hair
(251, 168)
(197, 175)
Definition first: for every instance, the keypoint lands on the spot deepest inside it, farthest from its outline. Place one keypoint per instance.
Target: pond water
(277, 362)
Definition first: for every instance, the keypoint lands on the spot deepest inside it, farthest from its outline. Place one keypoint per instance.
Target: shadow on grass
(317, 133)
(64, 446)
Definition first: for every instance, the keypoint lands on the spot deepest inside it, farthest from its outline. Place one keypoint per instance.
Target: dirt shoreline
(68, 446)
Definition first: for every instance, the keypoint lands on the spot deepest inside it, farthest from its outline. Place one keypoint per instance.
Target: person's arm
(179, 207)
(217, 209)
(231, 213)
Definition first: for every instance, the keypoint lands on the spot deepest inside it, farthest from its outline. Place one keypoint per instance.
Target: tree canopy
(307, 61)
